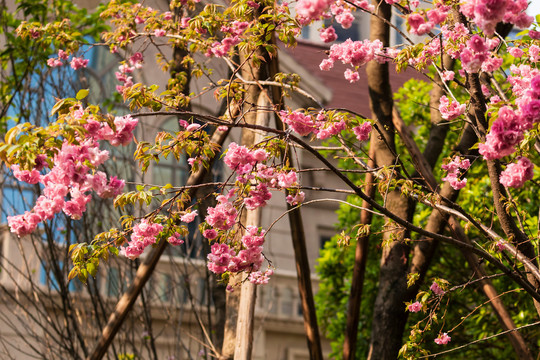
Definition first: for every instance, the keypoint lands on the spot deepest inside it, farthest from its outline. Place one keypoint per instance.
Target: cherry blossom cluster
(356, 54)
(436, 289)
(254, 179)
(451, 110)
(487, 13)
(121, 135)
(310, 10)
(249, 167)
(476, 55)
(362, 132)
(436, 16)
(516, 174)
(525, 83)
(342, 14)
(304, 124)
(76, 62)
(72, 174)
(453, 169)
(415, 307)
(261, 278)
(125, 71)
(506, 132)
(233, 32)
(443, 339)
(328, 34)
(248, 258)
(144, 234)
(475, 52)
(221, 217)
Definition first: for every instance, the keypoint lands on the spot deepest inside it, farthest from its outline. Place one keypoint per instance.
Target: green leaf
(74, 272)
(83, 276)
(82, 94)
(92, 269)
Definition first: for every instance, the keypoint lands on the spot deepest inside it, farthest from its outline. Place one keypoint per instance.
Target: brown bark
(425, 249)
(304, 284)
(515, 338)
(246, 306)
(439, 128)
(508, 224)
(388, 316)
(359, 269)
(303, 272)
(231, 319)
(238, 338)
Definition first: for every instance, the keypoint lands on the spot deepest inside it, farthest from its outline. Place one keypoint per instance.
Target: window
(323, 239)
(166, 288)
(113, 282)
(169, 170)
(287, 300)
(16, 199)
(181, 291)
(48, 278)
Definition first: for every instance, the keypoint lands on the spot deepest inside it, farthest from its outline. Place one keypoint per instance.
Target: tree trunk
(389, 317)
(360, 261)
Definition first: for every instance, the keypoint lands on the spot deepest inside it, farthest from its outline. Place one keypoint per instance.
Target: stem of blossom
(359, 269)
(424, 170)
(144, 272)
(483, 254)
(508, 224)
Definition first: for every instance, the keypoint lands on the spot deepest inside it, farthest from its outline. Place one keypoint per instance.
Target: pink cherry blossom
(453, 169)
(29, 176)
(448, 75)
(415, 307)
(145, 232)
(78, 63)
(534, 34)
(219, 258)
(436, 289)
(328, 34)
(286, 180)
(210, 234)
(260, 278)
(362, 132)
(450, 111)
(23, 224)
(241, 159)
(418, 24)
(309, 10)
(516, 174)
(352, 76)
(443, 339)
(515, 52)
(299, 122)
(63, 54)
(189, 217)
(175, 240)
(222, 216)
(298, 198)
(192, 127)
(53, 62)
(159, 32)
